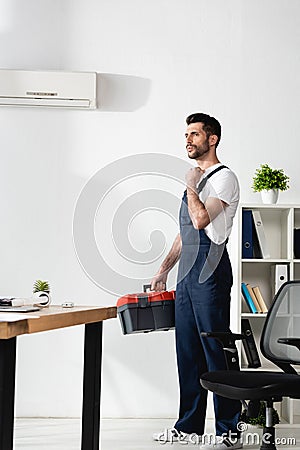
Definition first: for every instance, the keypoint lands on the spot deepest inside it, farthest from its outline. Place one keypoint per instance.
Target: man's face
(197, 142)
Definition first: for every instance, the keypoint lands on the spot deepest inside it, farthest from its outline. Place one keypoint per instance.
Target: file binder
(249, 345)
(261, 234)
(297, 243)
(279, 275)
(247, 234)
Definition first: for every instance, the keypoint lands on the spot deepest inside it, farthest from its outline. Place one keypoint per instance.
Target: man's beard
(199, 151)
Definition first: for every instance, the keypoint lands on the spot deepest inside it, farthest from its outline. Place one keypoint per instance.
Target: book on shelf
(260, 232)
(248, 299)
(254, 299)
(260, 299)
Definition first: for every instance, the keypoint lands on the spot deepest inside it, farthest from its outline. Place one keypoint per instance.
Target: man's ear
(213, 139)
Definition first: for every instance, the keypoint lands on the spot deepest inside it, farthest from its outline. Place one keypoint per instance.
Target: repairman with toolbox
(204, 283)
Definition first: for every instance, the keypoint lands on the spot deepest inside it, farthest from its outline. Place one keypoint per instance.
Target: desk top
(55, 317)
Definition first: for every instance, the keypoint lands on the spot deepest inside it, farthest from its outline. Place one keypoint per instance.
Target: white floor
(116, 434)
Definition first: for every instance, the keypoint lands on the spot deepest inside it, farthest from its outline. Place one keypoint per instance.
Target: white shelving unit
(279, 222)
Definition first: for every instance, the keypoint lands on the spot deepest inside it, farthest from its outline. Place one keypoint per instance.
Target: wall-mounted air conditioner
(50, 89)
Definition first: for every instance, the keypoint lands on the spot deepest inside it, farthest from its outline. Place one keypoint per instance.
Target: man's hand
(159, 282)
(193, 176)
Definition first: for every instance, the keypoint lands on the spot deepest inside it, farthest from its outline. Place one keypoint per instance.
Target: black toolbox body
(147, 311)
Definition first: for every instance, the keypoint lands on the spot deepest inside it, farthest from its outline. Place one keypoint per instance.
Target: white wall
(160, 61)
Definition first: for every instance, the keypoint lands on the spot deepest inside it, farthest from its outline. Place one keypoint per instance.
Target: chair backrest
(282, 321)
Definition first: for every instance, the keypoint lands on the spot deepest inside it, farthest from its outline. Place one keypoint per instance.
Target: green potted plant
(269, 182)
(260, 419)
(41, 293)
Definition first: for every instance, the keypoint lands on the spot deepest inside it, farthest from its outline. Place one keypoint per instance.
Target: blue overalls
(201, 306)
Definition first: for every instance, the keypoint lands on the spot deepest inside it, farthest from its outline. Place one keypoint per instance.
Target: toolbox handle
(146, 287)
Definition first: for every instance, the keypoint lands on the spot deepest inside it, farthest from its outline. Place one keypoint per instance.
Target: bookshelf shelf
(247, 315)
(267, 273)
(267, 260)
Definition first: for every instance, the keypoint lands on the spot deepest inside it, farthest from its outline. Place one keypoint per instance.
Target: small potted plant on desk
(269, 182)
(41, 293)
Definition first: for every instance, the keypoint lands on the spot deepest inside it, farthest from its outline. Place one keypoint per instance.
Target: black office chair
(280, 343)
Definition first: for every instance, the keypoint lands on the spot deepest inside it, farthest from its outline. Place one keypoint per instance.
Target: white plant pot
(270, 197)
(41, 299)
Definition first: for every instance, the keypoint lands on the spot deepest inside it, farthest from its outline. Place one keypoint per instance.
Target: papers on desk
(13, 317)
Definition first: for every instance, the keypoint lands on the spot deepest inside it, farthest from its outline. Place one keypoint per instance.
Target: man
(204, 283)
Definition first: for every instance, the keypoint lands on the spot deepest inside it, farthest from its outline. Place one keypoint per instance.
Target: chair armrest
(290, 341)
(225, 337)
(227, 340)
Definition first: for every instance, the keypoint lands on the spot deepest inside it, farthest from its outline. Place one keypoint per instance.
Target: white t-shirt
(223, 185)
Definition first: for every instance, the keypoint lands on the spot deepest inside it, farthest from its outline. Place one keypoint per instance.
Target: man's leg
(191, 364)
(211, 305)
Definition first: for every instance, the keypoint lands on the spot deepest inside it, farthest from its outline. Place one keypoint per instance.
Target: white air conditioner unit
(50, 89)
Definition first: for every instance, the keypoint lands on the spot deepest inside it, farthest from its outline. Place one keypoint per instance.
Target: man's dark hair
(210, 124)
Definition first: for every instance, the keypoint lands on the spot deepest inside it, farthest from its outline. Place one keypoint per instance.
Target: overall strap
(204, 180)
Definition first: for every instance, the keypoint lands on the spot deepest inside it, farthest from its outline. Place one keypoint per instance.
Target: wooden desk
(52, 318)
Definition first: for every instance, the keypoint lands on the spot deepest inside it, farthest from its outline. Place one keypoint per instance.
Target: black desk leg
(91, 387)
(7, 391)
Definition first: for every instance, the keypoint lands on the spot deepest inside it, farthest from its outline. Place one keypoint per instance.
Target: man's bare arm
(202, 214)
(159, 281)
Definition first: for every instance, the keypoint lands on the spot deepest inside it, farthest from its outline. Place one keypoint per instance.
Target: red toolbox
(147, 311)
